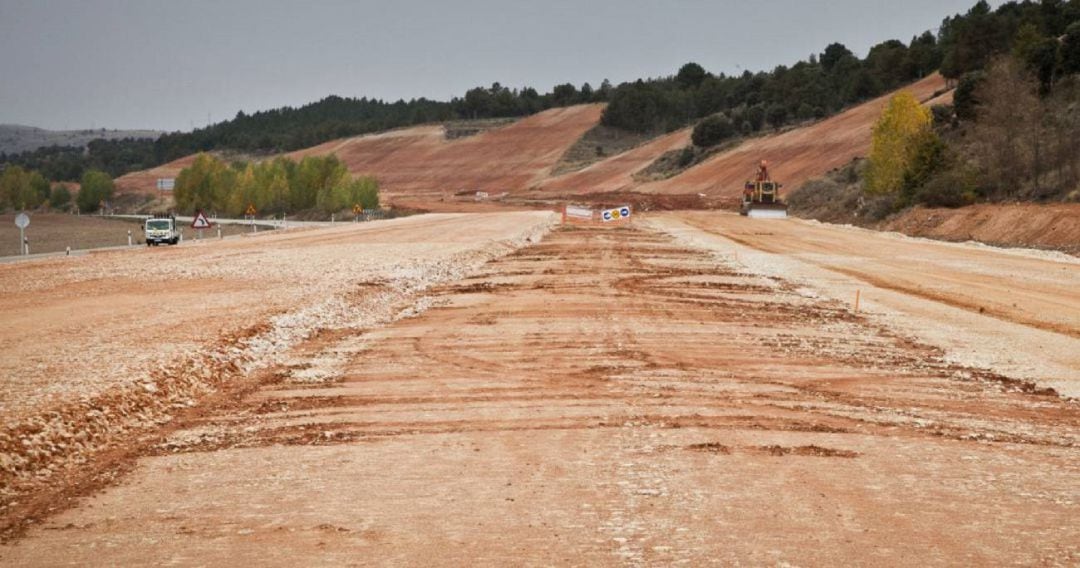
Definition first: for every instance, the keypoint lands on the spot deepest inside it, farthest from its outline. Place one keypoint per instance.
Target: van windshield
(157, 225)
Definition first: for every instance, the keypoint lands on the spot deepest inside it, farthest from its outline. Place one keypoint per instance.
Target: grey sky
(167, 65)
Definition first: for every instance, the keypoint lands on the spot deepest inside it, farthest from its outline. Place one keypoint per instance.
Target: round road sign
(22, 220)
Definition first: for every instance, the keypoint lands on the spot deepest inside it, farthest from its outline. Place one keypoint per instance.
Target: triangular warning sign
(200, 222)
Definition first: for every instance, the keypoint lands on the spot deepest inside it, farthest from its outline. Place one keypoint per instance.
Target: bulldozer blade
(758, 213)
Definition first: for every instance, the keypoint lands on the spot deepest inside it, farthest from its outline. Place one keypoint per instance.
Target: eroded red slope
(418, 163)
(145, 181)
(616, 173)
(795, 156)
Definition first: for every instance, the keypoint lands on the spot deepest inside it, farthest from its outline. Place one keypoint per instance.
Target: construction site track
(610, 395)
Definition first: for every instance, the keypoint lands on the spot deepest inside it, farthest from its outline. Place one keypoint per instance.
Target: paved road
(631, 395)
(278, 223)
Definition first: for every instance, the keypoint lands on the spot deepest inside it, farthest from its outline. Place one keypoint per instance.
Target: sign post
(357, 210)
(22, 221)
(200, 222)
(615, 214)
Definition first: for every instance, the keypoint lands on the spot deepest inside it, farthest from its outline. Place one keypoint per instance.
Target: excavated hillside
(145, 181)
(420, 167)
(419, 163)
(616, 173)
(796, 156)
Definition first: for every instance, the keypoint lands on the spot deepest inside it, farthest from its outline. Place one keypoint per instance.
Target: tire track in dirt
(607, 396)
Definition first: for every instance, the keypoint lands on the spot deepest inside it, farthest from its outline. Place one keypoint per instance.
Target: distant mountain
(15, 138)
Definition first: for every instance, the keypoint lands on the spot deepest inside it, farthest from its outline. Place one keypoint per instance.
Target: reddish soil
(419, 168)
(1055, 226)
(418, 164)
(610, 395)
(617, 172)
(796, 156)
(101, 346)
(145, 182)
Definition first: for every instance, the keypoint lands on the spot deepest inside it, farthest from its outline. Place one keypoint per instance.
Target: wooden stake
(856, 301)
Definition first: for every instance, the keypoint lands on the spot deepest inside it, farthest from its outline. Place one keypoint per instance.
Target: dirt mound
(796, 156)
(1053, 226)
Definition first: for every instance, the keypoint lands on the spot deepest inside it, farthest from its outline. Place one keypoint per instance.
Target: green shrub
(96, 188)
(712, 131)
(60, 197)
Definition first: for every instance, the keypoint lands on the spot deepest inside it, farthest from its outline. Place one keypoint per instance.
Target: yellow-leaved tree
(896, 136)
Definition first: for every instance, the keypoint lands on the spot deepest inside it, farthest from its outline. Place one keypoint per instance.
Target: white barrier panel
(615, 214)
(578, 212)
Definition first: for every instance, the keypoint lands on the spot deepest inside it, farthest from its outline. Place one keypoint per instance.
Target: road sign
(250, 209)
(200, 221)
(615, 214)
(22, 221)
(166, 184)
(357, 209)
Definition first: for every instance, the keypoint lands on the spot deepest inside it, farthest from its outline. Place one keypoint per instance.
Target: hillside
(616, 173)
(145, 181)
(795, 156)
(419, 167)
(15, 138)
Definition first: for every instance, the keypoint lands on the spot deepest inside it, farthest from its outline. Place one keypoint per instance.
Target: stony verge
(38, 450)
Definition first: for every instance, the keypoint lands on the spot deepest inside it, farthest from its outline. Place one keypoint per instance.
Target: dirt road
(633, 395)
(100, 348)
(1014, 311)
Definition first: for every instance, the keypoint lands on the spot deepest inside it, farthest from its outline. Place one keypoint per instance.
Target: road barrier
(581, 213)
(577, 213)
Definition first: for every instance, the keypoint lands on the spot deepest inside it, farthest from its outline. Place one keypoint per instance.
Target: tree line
(1013, 130)
(22, 189)
(275, 186)
(740, 104)
(743, 104)
(69, 163)
(827, 82)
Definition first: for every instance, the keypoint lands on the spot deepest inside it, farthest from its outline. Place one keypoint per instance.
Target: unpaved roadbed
(114, 345)
(609, 396)
(1014, 311)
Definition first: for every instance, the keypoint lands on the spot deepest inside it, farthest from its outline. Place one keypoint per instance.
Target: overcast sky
(172, 64)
